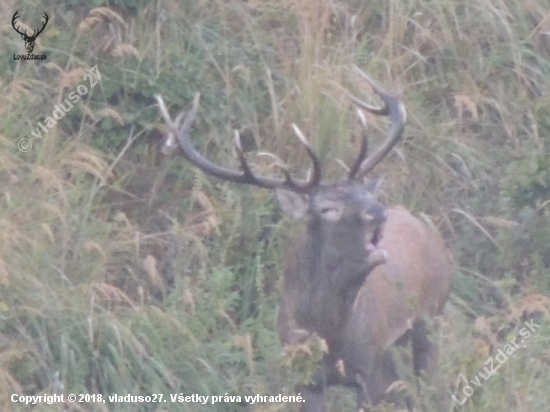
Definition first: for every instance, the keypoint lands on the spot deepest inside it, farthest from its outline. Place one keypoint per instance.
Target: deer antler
(395, 109)
(180, 132)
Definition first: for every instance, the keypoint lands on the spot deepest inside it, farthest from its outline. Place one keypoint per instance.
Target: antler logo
(29, 40)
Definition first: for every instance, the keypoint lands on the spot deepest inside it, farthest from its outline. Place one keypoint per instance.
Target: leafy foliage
(124, 272)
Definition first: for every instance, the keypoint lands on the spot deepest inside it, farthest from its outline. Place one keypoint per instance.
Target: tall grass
(125, 272)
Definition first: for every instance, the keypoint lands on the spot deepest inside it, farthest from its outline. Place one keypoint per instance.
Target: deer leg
(314, 399)
(382, 376)
(425, 352)
(374, 388)
(372, 382)
(313, 394)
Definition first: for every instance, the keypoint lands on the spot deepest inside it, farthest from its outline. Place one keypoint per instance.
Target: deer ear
(296, 205)
(373, 185)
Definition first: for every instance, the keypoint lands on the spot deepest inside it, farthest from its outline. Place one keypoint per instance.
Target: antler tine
(381, 111)
(171, 141)
(239, 148)
(245, 175)
(395, 109)
(315, 178)
(363, 150)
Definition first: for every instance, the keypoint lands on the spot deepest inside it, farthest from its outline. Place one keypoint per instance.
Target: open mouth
(377, 235)
(376, 255)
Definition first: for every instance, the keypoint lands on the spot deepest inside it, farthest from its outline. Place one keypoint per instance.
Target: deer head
(29, 40)
(344, 218)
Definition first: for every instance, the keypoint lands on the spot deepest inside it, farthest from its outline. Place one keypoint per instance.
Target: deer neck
(336, 265)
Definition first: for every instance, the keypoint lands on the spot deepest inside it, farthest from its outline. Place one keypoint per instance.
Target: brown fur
(394, 299)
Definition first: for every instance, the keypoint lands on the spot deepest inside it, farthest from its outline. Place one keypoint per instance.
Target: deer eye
(331, 213)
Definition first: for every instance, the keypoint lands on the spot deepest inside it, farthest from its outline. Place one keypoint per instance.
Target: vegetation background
(123, 271)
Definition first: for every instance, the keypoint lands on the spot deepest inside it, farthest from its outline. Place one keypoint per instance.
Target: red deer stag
(360, 276)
